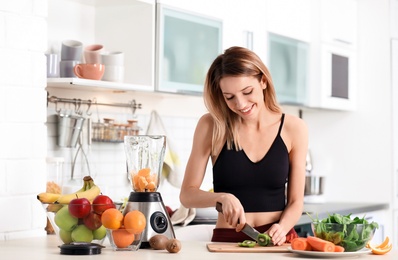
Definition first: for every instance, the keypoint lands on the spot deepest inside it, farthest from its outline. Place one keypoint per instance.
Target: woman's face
(243, 95)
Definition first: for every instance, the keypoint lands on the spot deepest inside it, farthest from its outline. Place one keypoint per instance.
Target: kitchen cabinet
(394, 87)
(290, 18)
(335, 87)
(187, 44)
(394, 18)
(288, 62)
(339, 22)
(395, 227)
(121, 25)
(333, 58)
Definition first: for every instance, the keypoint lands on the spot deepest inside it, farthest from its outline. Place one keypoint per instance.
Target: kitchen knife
(247, 229)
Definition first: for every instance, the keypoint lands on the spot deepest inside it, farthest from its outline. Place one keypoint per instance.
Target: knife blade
(247, 229)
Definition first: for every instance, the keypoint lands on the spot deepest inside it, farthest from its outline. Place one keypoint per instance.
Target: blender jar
(145, 154)
(54, 174)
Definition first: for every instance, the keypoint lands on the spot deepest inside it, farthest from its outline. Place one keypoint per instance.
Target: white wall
(352, 148)
(23, 147)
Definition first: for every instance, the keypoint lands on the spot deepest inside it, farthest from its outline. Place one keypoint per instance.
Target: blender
(145, 154)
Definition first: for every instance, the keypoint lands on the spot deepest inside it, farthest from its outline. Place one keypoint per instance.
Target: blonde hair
(235, 61)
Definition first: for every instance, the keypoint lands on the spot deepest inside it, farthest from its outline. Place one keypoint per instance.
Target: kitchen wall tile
(17, 71)
(25, 176)
(16, 223)
(3, 96)
(23, 141)
(31, 38)
(3, 178)
(25, 108)
(40, 8)
(39, 79)
(2, 30)
(19, 6)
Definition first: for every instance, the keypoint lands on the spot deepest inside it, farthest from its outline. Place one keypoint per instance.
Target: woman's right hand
(233, 211)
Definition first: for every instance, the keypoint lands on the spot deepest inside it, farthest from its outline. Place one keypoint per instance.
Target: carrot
(338, 248)
(301, 243)
(319, 244)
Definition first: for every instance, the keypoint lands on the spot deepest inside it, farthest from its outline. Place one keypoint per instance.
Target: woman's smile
(246, 110)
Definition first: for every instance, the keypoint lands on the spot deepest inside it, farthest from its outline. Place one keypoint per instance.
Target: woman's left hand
(277, 234)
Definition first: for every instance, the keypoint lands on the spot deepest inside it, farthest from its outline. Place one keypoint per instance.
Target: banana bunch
(89, 191)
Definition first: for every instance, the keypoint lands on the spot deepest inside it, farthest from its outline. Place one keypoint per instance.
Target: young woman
(257, 152)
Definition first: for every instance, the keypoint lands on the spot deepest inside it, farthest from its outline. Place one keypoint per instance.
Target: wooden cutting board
(234, 248)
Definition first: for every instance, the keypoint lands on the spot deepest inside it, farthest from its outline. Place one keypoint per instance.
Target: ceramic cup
(89, 71)
(92, 53)
(71, 50)
(52, 65)
(114, 58)
(66, 68)
(114, 73)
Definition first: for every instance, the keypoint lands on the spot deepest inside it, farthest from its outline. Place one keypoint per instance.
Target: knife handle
(219, 207)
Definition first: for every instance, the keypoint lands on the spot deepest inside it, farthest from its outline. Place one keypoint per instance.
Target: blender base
(158, 220)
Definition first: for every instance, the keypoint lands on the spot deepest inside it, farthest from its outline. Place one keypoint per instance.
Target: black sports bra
(259, 186)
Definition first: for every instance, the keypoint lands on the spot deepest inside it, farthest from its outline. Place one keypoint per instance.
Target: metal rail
(78, 102)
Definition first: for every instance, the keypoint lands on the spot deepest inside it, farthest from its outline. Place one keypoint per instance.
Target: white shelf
(88, 84)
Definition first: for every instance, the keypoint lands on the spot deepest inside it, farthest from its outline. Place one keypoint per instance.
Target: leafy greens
(350, 233)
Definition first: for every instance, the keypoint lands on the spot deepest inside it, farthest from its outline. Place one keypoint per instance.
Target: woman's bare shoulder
(206, 121)
(295, 124)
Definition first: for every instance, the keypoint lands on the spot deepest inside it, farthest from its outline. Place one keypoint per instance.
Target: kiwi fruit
(158, 242)
(173, 245)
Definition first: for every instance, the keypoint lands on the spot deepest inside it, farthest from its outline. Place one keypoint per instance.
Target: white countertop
(47, 248)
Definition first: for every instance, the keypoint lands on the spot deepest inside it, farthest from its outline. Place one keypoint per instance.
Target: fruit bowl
(78, 223)
(352, 237)
(124, 239)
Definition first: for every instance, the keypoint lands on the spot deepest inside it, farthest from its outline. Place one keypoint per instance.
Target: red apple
(92, 221)
(102, 203)
(79, 207)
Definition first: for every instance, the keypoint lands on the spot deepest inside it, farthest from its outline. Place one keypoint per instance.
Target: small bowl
(71, 229)
(352, 237)
(123, 239)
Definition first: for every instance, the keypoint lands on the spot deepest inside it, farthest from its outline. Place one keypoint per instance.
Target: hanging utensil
(308, 162)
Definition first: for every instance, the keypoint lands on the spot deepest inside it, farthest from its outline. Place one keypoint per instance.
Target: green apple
(66, 236)
(82, 234)
(99, 233)
(65, 220)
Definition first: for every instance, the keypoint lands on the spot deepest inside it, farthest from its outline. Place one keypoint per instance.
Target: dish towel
(183, 216)
(172, 170)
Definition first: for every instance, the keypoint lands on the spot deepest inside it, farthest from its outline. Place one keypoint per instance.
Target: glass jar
(108, 129)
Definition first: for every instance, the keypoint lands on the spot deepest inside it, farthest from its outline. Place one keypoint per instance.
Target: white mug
(52, 65)
(114, 58)
(113, 73)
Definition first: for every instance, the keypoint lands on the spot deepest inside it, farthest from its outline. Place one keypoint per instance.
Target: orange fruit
(384, 244)
(151, 186)
(112, 218)
(135, 221)
(143, 180)
(122, 238)
(381, 249)
(144, 172)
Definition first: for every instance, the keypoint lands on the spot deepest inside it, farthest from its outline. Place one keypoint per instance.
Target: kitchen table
(46, 247)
